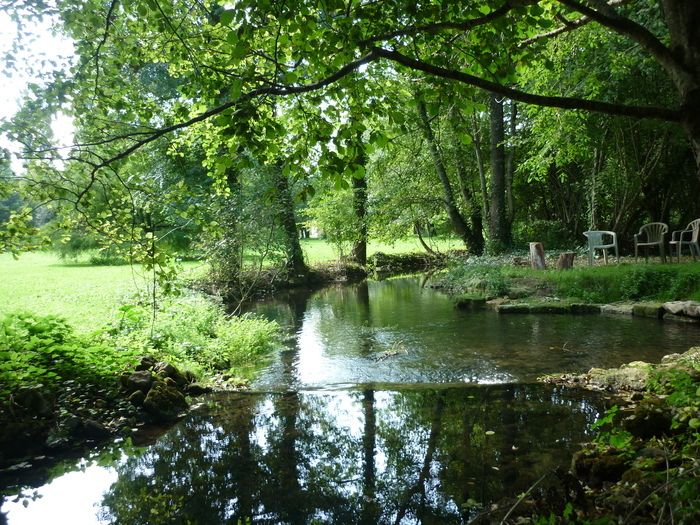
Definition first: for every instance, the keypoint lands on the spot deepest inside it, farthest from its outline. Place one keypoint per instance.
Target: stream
(386, 405)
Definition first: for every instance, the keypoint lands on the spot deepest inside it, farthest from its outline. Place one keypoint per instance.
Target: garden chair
(652, 234)
(688, 236)
(596, 241)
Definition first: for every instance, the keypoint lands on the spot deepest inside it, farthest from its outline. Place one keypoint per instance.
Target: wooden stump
(566, 261)
(537, 256)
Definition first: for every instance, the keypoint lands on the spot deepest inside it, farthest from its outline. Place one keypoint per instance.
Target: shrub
(193, 332)
(43, 350)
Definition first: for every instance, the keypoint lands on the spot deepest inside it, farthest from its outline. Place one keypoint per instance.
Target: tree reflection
(422, 455)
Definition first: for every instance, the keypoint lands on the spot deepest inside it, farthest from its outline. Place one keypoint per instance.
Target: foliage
(332, 213)
(553, 234)
(44, 351)
(192, 332)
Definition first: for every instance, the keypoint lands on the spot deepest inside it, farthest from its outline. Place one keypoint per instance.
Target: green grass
(87, 296)
(600, 284)
(321, 251)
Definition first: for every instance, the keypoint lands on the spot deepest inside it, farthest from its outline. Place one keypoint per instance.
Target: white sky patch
(41, 48)
(73, 498)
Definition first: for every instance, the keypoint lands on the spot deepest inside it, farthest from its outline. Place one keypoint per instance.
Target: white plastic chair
(596, 241)
(688, 236)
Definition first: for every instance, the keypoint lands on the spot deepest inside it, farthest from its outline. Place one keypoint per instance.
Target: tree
(229, 64)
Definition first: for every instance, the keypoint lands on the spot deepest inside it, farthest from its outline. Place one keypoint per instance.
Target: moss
(652, 310)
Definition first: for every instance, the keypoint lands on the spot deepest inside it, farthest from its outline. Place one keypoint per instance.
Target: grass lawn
(87, 296)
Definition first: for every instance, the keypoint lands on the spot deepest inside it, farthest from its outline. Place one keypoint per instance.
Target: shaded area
(368, 456)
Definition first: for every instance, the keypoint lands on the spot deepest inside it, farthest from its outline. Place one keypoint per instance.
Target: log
(537, 256)
(566, 261)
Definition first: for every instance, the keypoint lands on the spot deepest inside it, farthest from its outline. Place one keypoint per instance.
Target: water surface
(386, 405)
(397, 332)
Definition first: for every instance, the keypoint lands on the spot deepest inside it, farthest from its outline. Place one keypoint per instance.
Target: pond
(386, 406)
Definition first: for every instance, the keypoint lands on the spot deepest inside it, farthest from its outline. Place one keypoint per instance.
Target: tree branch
(567, 25)
(634, 31)
(256, 93)
(464, 25)
(670, 115)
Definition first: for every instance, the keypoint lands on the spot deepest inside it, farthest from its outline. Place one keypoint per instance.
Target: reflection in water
(362, 427)
(421, 455)
(396, 332)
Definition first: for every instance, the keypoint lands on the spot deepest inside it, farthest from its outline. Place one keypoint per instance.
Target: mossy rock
(550, 308)
(633, 376)
(164, 403)
(513, 309)
(540, 308)
(585, 309)
(617, 309)
(652, 310)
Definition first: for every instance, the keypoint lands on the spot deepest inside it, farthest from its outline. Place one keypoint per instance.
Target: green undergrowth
(490, 277)
(194, 333)
(44, 351)
(191, 332)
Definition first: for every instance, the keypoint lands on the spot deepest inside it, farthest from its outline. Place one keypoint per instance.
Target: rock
(170, 382)
(167, 370)
(195, 389)
(34, 401)
(146, 363)
(616, 309)
(650, 418)
(93, 430)
(513, 309)
(164, 403)
(470, 303)
(594, 469)
(651, 458)
(675, 307)
(582, 308)
(137, 398)
(632, 376)
(654, 311)
(140, 380)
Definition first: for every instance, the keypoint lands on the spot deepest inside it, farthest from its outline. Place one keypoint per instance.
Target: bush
(552, 234)
(43, 350)
(194, 333)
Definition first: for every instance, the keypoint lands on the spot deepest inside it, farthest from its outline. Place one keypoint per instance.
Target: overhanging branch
(670, 115)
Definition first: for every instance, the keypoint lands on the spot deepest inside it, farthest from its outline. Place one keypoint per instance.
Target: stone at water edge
(164, 403)
(168, 370)
(34, 400)
(146, 363)
(686, 308)
(195, 389)
(137, 398)
(140, 380)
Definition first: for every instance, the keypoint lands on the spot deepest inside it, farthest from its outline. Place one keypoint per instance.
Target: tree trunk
(510, 165)
(476, 136)
(476, 238)
(358, 253)
(499, 238)
(458, 223)
(427, 248)
(295, 255)
(683, 21)
(566, 261)
(537, 260)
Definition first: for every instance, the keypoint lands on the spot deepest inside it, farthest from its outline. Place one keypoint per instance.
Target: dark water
(387, 406)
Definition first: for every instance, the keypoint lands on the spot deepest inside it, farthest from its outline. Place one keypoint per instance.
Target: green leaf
(227, 17)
